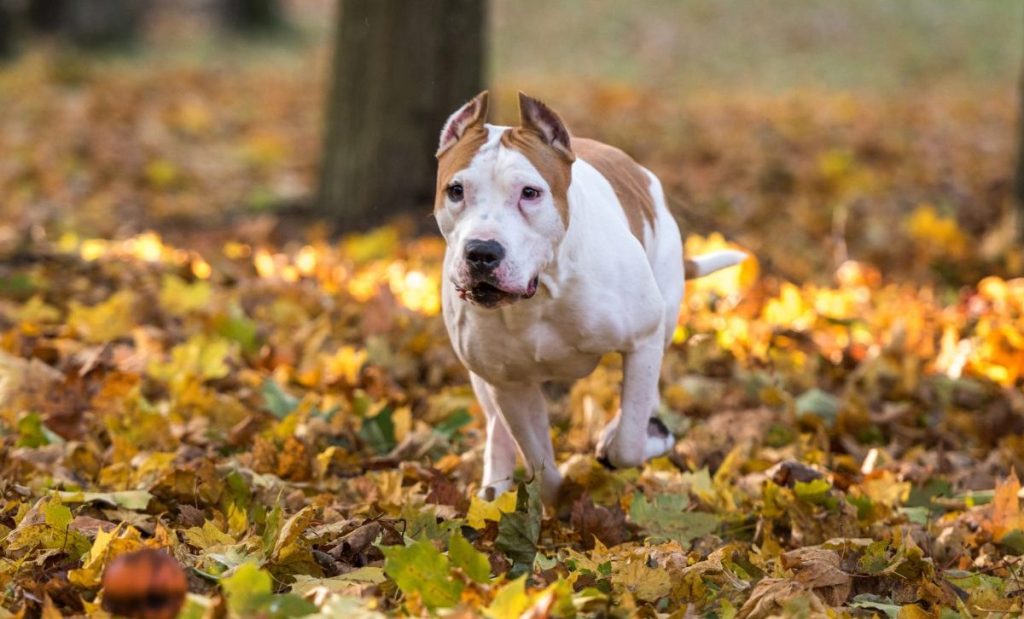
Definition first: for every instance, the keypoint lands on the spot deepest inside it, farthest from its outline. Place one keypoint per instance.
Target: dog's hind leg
(524, 410)
(499, 448)
(635, 435)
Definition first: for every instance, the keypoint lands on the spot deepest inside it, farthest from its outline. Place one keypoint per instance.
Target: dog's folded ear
(474, 113)
(535, 116)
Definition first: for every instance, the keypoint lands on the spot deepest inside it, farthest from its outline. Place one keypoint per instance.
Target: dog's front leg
(500, 448)
(525, 413)
(635, 434)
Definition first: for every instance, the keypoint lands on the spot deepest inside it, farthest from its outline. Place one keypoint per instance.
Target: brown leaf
(444, 492)
(294, 460)
(597, 521)
(788, 472)
(818, 569)
(770, 596)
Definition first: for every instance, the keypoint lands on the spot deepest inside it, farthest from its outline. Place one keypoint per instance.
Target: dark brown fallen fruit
(147, 584)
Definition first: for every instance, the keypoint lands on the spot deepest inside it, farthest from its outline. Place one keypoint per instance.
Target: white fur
(600, 291)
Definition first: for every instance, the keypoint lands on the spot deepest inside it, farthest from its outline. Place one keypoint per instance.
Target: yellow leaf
(36, 311)
(161, 173)
(482, 509)
(936, 233)
(345, 365)
(106, 547)
(208, 536)
(510, 602)
(882, 487)
(104, 321)
(645, 583)
(201, 357)
(291, 531)
(179, 297)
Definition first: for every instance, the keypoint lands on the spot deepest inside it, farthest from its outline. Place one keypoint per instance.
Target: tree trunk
(89, 23)
(252, 16)
(1018, 181)
(400, 68)
(6, 30)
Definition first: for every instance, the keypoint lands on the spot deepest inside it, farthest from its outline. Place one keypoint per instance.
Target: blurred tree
(400, 68)
(6, 29)
(1018, 181)
(89, 23)
(252, 16)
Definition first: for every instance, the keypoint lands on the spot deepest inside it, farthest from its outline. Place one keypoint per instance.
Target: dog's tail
(699, 266)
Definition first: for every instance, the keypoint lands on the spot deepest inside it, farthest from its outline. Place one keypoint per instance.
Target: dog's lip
(485, 287)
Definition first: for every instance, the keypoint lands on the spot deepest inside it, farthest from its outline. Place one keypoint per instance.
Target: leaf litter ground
(285, 417)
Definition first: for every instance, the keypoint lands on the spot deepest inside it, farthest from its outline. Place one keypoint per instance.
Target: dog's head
(501, 201)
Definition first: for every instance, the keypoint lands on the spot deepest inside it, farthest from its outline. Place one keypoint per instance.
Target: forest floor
(185, 364)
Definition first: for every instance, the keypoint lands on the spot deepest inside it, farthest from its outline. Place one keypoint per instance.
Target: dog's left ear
(471, 114)
(538, 117)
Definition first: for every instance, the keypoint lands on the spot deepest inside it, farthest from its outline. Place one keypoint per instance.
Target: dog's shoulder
(629, 179)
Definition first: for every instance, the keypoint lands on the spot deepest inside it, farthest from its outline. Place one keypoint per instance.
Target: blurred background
(877, 131)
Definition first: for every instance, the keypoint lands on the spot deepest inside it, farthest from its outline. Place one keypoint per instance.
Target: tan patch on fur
(552, 165)
(457, 158)
(631, 184)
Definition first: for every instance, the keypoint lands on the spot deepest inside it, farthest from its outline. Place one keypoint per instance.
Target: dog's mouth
(489, 294)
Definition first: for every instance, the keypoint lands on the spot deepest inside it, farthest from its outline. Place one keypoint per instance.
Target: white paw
(658, 441)
(494, 489)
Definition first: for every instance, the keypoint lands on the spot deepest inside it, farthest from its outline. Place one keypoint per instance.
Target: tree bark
(89, 23)
(400, 68)
(252, 16)
(1018, 180)
(6, 30)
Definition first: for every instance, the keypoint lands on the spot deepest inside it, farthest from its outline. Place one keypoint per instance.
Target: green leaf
(473, 562)
(379, 431)
(820, 403)
(135, 500)
(32, 432)
(450, 425)
(666, 517)
(519, 531)
(421, 568)
(875, 559)
(917, 515)
(57, 515)
(239, 328)
(1013, 542)
(874, 602)
(817, 492)
(279, 402)
(244, 588)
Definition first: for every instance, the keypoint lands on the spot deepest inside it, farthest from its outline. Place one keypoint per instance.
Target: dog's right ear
(472, 114)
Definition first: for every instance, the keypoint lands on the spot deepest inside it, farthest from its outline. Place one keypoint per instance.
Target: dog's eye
(530, 193)
(455, 192)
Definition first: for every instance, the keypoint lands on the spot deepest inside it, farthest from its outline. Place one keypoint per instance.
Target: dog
(559, 250)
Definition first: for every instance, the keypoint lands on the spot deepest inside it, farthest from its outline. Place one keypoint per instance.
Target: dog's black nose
(484, 256)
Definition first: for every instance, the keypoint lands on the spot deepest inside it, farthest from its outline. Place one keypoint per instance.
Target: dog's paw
(659, 439)
(493, 490)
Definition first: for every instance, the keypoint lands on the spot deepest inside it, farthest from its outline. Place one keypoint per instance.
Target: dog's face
(501, 200)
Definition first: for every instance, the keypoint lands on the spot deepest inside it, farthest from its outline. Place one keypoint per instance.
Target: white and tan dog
(560, 249)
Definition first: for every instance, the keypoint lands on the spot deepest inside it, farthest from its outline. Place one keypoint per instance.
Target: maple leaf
(519, 531)
(1005, 512)
(420, 568)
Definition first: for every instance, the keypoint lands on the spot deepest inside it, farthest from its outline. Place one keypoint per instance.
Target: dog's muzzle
(481, 284)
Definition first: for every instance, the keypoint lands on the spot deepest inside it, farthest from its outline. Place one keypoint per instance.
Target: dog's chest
(519, 346)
